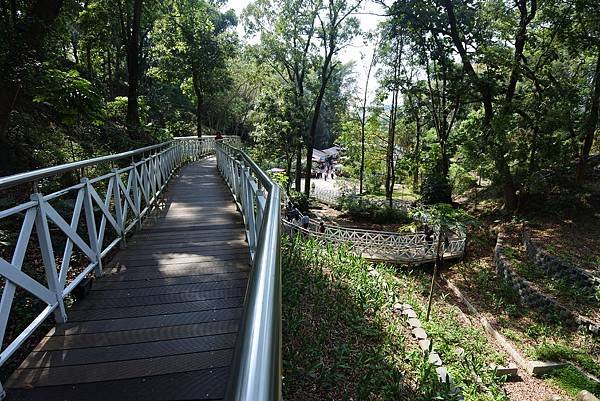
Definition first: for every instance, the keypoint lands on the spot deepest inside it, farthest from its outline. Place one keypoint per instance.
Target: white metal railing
(112, 204)
(257, 370)
(385, 246)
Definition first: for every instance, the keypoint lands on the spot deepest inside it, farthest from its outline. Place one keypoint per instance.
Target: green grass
(561, 352)
(342, 341)
(573, 381)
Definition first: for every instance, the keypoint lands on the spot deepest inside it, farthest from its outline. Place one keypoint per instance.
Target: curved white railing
(381, 245)
(412, 248)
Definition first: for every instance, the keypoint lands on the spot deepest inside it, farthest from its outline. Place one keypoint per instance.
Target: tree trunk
(362, 152)
(325, 75)
(390, 176)
(591, 123)
(88, 60)
(417, 156)
(298, 177)
(133, 70)
(487, 93)
(363, 122)
(199, 102)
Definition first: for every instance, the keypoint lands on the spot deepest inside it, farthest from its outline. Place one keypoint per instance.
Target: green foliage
(547, 351)
(71, 96)
(340, 335)
(388, 215)
(436, 189)
(362, 207)
(573, 381)
(301, 201)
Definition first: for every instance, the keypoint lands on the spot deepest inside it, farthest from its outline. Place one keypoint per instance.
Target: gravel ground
(532, 389)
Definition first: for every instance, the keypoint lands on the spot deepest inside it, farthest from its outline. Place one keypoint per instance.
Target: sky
(357, 51)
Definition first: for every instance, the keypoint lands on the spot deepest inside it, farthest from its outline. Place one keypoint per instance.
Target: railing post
(45, 242)
(249, 210)
(135, 192)
(118, 206)
(90, 222)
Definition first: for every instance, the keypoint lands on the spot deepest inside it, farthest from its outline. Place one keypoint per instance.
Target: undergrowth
(342, 340)
(573, 381)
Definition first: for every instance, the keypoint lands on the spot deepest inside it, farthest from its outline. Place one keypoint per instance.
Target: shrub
(391, 216)
(436, 189)
(356, 206)
(300, 199)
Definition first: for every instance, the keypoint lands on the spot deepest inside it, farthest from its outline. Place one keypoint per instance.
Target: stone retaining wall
(533, 297)
(556, 267)
(416, 329)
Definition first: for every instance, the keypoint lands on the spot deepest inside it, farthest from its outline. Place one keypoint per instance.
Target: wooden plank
(145, 322)
(214, 275)
(154, 349)
(153, 310)
(219, 255)
(117, 370)
(192, 269)
(182, 229)
(172, 289)
(207, 248)
(54, 342)
(160, 299)
(207, 385)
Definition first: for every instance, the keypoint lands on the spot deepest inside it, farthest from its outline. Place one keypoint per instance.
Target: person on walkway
(218, 136)
(428, 238)
(321, 226)
(305, 222)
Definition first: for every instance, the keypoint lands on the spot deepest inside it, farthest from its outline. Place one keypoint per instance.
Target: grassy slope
(342, 341)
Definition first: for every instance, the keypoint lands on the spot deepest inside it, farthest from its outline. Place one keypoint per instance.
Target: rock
(397, 308)
(553, 398)
(539, 368)
(424, 345)
(419, 333)
(414, 322)
(434, 359)
(510, 370)
(585, 396)
(409, 313)
(443, 374)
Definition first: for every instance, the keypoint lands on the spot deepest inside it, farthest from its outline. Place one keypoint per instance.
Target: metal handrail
(35, 175)
(21, 178)
(257, 367)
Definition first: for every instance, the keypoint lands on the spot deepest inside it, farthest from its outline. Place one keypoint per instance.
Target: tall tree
(363, 119)
(131, 19)
(287, 31)
(200, 46)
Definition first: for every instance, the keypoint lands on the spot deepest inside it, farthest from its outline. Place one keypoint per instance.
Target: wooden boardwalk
(161, 324)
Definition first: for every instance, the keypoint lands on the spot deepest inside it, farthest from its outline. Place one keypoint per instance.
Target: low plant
(573, 381)
(547, 351)
(362, 207)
